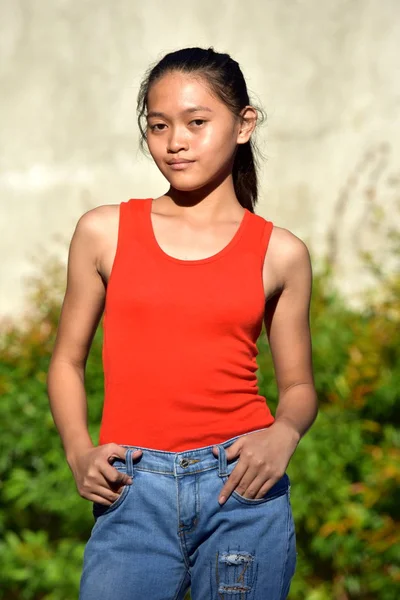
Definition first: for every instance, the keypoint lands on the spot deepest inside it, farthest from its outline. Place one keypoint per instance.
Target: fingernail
(221, 499)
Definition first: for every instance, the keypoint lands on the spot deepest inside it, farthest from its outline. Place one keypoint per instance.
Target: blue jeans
(167, 533)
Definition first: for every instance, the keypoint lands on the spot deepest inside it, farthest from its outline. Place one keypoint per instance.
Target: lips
(179, 161)
(180, 166)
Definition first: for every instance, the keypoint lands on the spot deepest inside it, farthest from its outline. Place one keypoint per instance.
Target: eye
(198, 120)
(153, 127)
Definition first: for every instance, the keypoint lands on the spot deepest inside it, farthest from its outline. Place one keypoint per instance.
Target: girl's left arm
(264, 455)
(287, 325)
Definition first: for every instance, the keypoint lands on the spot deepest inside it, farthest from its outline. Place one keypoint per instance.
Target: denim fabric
(167, 533)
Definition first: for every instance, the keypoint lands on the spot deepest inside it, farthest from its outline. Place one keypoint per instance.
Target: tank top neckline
(200, 261)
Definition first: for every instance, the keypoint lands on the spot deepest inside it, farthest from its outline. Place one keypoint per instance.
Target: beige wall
(327, 74)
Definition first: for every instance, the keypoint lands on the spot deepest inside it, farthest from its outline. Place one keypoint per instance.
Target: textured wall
(327, 75)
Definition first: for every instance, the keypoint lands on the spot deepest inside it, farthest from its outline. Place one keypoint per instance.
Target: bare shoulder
(96, 220)
(288, 255)
(96, 226)
(84, 298)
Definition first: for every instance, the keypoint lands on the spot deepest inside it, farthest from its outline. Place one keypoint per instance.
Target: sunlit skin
(209, 136)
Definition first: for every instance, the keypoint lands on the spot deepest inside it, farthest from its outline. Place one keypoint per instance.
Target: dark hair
(226, 80)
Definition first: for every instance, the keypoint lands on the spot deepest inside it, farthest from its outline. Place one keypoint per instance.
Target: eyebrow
(155, 113)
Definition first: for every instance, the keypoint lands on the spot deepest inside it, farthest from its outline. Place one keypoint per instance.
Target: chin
(183, 188)
(179, 183)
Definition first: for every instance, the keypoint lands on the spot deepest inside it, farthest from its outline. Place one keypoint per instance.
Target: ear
(248, 121)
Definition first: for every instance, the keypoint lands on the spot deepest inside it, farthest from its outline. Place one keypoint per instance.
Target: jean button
(184, 462)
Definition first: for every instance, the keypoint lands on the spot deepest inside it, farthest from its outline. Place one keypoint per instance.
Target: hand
(264, 457)
(96, 479)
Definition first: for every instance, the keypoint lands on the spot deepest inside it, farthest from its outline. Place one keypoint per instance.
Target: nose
(177, 140)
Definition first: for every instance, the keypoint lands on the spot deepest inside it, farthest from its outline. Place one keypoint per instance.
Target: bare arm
(81, 312)
(288, 331)
(265, 454)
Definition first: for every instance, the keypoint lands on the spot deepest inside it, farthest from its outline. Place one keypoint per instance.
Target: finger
(256, 489)
(112, 451)
(113, 474)
(250, 483)
(232, 481)
(105, 496)
(99, 500)
(106, 501)
(264, 489)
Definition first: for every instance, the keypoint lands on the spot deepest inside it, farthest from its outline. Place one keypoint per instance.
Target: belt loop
(222, 464)
(129, 462)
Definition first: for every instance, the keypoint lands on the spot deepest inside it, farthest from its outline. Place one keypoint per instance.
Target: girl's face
(185, 121)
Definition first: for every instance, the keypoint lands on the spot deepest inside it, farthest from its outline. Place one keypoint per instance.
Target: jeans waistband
(180, 463)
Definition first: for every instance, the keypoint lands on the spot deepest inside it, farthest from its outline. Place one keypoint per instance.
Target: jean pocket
(281, 487)
(99, 509)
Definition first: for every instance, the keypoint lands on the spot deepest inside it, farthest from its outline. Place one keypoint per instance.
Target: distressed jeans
(167, 533)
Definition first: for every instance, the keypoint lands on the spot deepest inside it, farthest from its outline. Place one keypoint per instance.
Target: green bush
(345, 471)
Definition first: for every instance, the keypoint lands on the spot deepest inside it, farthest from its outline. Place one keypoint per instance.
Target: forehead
(176, 92)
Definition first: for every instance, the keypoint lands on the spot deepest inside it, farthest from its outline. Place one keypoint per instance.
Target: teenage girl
(188, 483)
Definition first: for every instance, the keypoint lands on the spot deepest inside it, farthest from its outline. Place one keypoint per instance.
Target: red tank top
(179, 345)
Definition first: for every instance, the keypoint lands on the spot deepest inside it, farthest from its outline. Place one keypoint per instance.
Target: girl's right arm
(96, 479)
(81, 312)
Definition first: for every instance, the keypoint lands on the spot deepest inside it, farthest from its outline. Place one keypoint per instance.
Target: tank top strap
(126, 223)
(257, 236)
(134, 215)
(138, 205)
(123, 229)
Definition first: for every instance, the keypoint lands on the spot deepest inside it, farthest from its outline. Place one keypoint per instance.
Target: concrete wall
(326, 73)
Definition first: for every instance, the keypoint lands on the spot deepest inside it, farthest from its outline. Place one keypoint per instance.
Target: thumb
(233, 451)
(116, 451)
(230, 452)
